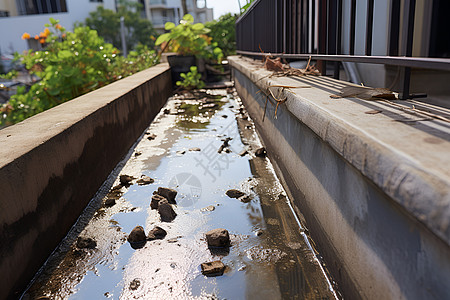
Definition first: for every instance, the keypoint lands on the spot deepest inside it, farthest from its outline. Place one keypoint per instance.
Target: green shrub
(72, 64)
(191, 80)
(223, 32)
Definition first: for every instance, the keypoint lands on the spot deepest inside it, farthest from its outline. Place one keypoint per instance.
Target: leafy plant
(246, 6)
(223, 32)
(188, 38)
(72, 64)
(138, 60)
(191, 80)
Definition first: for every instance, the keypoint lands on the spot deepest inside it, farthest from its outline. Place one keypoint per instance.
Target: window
(33, 7)
(4, 13)
(201, 3)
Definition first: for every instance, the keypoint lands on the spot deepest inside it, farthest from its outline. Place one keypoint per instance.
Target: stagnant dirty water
(270, 256)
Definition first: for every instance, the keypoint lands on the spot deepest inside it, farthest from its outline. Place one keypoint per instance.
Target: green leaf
(189, 18)
(162, 38)
(53, 21)
(198, 26)
(67, 72)
(54, 92)
(247, 6)
(63, 54)
(169, 26)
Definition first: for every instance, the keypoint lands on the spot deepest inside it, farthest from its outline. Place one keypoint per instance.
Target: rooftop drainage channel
(270, 256)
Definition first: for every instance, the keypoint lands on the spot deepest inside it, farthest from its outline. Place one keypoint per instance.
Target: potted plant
(191, 43)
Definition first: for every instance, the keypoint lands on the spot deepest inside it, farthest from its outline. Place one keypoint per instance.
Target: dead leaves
(279, 69)
(365, 93)
(373, 112)
(273, 64)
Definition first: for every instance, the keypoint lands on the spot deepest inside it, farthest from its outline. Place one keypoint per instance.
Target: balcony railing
(299, 29)
(162, 20)
(158, 2)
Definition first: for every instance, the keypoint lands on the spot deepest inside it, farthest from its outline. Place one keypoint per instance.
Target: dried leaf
(365, 93)
(274, 64)
(413, 122)
(373, 112)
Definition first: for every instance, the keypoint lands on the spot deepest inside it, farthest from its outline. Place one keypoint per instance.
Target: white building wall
(209, 15)
(109, 4)
(79, 10)
(12, 28)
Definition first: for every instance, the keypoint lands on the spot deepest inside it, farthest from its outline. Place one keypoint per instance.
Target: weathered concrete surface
(373, 188)
(52, 164)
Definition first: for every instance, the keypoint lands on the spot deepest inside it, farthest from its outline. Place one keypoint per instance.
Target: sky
(222, 7)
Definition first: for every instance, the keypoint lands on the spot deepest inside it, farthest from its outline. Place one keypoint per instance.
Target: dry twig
(418, 111)
(277, 98)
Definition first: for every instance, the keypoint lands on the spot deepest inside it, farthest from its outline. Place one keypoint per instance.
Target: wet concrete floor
(270, 255)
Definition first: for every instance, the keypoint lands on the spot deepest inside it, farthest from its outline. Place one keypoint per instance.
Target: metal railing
(299, 29)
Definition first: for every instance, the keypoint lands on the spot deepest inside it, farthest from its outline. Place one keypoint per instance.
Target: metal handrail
(403, 61)
(299, 29)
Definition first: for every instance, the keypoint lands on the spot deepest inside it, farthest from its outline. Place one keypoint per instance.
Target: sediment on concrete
(53, 163)
(370, 180)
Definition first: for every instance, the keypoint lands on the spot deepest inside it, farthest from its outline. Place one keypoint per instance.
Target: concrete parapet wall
(52, 164)
(373, 188)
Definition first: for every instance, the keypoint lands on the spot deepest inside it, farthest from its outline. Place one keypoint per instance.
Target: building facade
(161, 11)
(19, 16)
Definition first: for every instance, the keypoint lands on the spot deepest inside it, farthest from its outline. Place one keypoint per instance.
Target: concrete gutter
(53, 163)
(374, 188)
